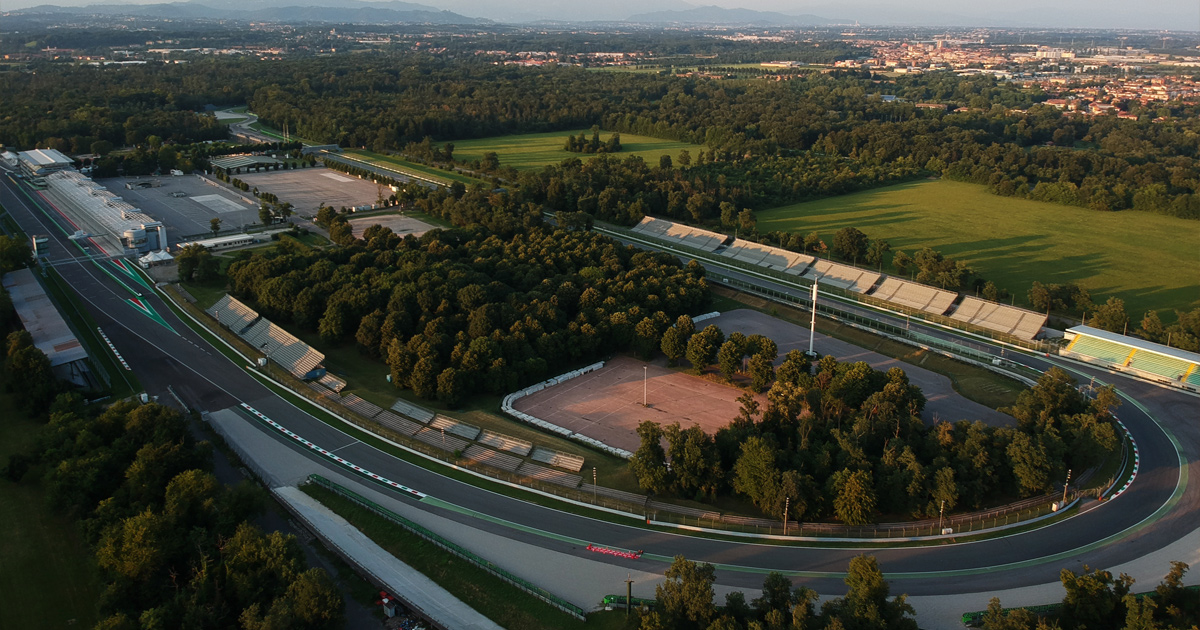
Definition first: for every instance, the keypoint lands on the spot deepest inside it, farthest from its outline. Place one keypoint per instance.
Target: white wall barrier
(699, 318)
(507, 407)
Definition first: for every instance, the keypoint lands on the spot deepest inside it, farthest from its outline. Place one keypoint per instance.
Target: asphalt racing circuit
(1160, 508)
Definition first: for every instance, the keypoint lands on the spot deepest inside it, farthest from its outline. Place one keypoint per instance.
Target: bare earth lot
(308, 188)
(399, 225)
(607, 404)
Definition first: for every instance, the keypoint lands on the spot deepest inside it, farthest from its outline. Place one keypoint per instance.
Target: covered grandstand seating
(915, 295)
(1017, 322)
(680, 234)
(232, 314)
(1148, 359)
(843, 276)
(767, 256)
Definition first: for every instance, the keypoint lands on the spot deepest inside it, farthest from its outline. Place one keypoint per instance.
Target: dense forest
(844, 440)
(1002, 138)
(459, 311)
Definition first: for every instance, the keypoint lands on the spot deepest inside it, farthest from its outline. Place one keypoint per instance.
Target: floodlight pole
(593, 485)
(645, 382)
(1065, 484)
(628, 594)
(812, 332)
(787, 502)
(941, 514)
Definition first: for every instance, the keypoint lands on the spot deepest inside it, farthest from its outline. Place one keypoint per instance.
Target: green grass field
(48, 577)
(400, 165)
(535, 150)
(1150, 261)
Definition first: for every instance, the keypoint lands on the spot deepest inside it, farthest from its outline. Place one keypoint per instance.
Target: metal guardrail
(461, 552)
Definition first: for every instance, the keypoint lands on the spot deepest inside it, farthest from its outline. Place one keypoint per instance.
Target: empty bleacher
(285, 349)
(332, 382)
(450, 425)
(1159, 365)
(766, 256)
(1193, 379)
(1093, 348)
(321, 390)
(232, 314)
(495, 459)
(843, 276)
(405, 408)
(680, 234)
(559, 459)
(256, 334)
(502, 442)
(915, 295)
(439, 439)
(541, 473)
(361, 407)
(397, 423)
(1000, 317)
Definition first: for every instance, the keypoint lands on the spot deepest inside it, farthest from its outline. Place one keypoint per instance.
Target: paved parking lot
(307, 188)
(191, 209)
(398, 224)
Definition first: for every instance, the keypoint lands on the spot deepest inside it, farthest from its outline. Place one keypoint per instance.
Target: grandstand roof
(41, 319)
(242, 161)
(46, 157)
(1138, 344)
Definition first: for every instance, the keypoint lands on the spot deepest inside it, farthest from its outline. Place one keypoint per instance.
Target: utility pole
(787, 502)
(628, 594)
(812, 331)
(1065, 484)
(645, 381)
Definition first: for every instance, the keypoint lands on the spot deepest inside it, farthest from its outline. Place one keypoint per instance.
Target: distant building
(42, 162)
(50, 333)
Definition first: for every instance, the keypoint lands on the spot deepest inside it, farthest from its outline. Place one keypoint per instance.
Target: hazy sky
(1138, 14)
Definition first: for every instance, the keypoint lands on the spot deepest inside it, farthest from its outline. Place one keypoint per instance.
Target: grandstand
(440, 439)
(915, 295)
(450, 425)
(559, 459)
(843, 276)
(502, 442)
(277, 344)
(399, 424)
(1143, 358)
(680, 234)
(495, 459)
(405, 408)
(232, 314)
(767, 256)
(361, 407)
(549, 475)
(1014, 321)
(103, 214)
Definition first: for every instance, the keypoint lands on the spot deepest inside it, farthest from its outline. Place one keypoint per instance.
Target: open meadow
(1148, 260)
(534, 150)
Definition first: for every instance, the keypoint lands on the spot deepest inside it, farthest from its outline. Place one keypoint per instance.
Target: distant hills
(718, 16)
(347, 11)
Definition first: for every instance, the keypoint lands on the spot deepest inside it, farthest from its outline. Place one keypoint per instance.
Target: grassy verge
(973, 383)
(48, 576)
(124, 383)
(492, 597)
(1026, 240)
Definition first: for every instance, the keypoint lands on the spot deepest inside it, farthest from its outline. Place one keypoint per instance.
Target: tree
(1151, 328)
(674, 345)
(1030, 462)
(1094, 598)
(850, 243)
(451, 387)
(762, 372)
(876, 252)
(729, 358)
(854, 502)
(811, 241)
(701, 351)
(214, 225)
(776, 594)
(30, 377)
(996, 618)
(901, 262)
(755, 473)
(1039, 297)
(746, 220)
(649, 462)
(866, 605)
(664, 162)
(685, 599)
(1111, 316)
(14, 254)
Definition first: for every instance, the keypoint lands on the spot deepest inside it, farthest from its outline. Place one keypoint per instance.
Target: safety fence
(507, 407)
(461, 552)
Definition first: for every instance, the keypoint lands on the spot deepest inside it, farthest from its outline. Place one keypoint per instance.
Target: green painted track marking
(436, 502)
(145, 309)
(136, 277)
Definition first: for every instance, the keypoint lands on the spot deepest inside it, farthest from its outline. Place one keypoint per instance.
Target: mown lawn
(1150, 261)
(48, 577)
(400, 165)
(534, 150)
